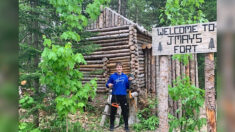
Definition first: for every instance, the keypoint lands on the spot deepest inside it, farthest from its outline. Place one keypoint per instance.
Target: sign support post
(210, 92)
(162, 94)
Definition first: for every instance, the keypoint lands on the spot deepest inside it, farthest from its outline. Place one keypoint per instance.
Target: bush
(191, 98)
(147, 120)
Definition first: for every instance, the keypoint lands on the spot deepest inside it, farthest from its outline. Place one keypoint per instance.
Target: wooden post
(210, 92)
(163, 95)
(157, 74)
(106, 109)
(192, 70)
(149, 70)
(133, 109)
(170, 103)
(153, 74)
(177, 74)
(196, 67)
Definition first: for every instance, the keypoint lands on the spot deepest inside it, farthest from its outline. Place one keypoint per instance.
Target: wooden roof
(110, 18)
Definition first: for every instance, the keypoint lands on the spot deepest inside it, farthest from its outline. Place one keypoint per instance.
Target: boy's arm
(109, 81)
(129, 79)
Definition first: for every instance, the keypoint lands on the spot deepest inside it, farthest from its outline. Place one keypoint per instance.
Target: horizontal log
(112, 32)
(124, 64)
(106, 55)
(102, 90)
(94, 61)
(141, 66)
(141, 75)
(144, 36)
(134, 52)
(110, 40)
(113, 68)
(123, 72)
(89, 78)
(101, 85)
(113, 43)
(114, 47)
(124, 69)
(109, 29)
(142, 85)
(142, 42)
(88, 75)
(141, 53)
(89, 69)
(141, 82)
(91, 66)
(110, 51)
(112, 71)
(97, 72)
(141, 78)
(119, 58)
(109, 36)
(97, 81)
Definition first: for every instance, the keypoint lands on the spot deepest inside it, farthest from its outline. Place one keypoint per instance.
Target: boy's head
(119, 67)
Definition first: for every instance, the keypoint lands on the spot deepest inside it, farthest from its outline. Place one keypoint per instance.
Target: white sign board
(184, 39)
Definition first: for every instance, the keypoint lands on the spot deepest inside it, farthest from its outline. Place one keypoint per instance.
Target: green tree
(35, 18)
(143, 12)
(58, 62)
(179, 12)
(54, 18)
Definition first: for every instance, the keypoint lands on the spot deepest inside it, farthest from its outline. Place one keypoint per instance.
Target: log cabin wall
(114, 47)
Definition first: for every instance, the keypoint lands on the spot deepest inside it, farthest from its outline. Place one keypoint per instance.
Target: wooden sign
(184, 39)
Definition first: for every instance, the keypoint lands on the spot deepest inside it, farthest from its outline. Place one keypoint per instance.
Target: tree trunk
(124, 7)
(210, 92)
(163, 95)
(35, 41)
(119, 6)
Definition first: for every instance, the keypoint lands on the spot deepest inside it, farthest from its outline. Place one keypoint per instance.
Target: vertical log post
(196, 67)
(177, 68)
(192, 70)
(153, 74)
(105, 68)
(170, 104)
(157, 74)
(163, 94)
(210, 92)
(149, 70)
(134, 71)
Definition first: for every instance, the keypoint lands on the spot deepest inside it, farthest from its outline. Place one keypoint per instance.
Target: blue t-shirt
(120, 83)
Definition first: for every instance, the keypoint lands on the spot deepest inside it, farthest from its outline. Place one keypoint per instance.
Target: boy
(119, 82)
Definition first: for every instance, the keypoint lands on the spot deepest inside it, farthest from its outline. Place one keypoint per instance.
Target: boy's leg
(125, 110)
(112, 113)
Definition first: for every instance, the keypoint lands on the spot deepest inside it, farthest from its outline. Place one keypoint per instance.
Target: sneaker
(126, 129)
(111, 128)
